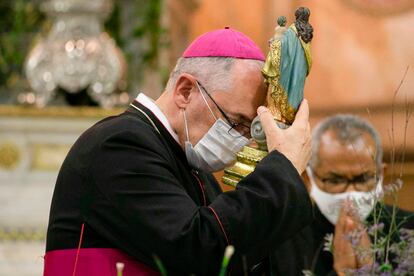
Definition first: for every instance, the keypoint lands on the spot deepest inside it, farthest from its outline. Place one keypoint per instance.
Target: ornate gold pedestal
(247, 160)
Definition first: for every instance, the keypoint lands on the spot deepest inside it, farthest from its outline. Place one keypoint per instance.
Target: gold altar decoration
(22, 234)
(9, 155)
(48, 157)
(58, 111)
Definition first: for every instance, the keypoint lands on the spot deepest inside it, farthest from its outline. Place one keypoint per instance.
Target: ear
(183, 89)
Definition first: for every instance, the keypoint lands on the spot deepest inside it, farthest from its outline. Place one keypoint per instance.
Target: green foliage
(114, 25)
(151, 26)
(385, 267)
(146, 25)
(20, 20)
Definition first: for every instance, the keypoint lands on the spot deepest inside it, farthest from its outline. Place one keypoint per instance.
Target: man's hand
(346, 254)
(293, 142)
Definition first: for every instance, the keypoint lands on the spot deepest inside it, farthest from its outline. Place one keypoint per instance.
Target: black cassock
(128, 180)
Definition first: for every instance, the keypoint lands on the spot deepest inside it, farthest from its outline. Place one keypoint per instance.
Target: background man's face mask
(330, 204)
(217, 148)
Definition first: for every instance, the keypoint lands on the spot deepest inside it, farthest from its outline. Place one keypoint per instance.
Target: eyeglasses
(240, 128)
(339, 184)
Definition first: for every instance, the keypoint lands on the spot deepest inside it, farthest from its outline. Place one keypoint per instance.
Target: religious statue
(287, 65)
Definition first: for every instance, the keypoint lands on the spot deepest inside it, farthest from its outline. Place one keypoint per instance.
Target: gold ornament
(9, 156)
(247, 160)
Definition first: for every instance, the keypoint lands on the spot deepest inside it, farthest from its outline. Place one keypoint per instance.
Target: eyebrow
(237, 117)
(334, 174)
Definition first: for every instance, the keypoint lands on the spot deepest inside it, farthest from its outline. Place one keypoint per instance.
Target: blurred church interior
(65, 64)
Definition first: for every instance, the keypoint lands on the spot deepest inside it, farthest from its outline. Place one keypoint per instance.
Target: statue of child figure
(287, 65)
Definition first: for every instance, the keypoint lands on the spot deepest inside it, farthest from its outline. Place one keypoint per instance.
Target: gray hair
(347, 128)
(214, 73)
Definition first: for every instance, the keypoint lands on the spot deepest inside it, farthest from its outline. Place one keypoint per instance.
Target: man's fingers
(341, 224)
(268, 123)
(340, 228)
(350, 225)
(366, 258)
(302, 116)
(344, 255)
(365, 241)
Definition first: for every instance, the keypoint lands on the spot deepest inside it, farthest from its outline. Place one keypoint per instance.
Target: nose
(350, 188)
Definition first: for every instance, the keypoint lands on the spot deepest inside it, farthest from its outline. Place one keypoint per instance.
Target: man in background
(344, 177)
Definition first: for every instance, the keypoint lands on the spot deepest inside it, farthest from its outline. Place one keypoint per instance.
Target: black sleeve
(403, 218)
(268, 207)
(406, 218)
(143, 209)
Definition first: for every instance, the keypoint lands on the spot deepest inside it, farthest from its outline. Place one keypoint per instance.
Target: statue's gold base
(247, 160)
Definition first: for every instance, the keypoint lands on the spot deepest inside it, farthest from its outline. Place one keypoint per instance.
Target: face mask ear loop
(379, 193)
(204, 98)
(186, 126)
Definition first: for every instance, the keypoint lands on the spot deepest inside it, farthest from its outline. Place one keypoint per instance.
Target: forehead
(248, 90)
(347, 157)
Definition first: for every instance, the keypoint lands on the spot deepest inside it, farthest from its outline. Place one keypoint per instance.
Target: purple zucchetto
(224, 43)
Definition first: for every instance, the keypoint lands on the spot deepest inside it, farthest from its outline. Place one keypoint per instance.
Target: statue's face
(346, 167)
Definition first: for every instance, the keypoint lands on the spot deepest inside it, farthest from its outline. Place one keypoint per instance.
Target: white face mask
(217, 148)
(330, 204)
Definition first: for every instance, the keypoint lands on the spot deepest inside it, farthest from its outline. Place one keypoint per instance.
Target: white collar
(151, 105)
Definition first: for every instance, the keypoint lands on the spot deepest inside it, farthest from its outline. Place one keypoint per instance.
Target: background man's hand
(347, 255)
(293, 142)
